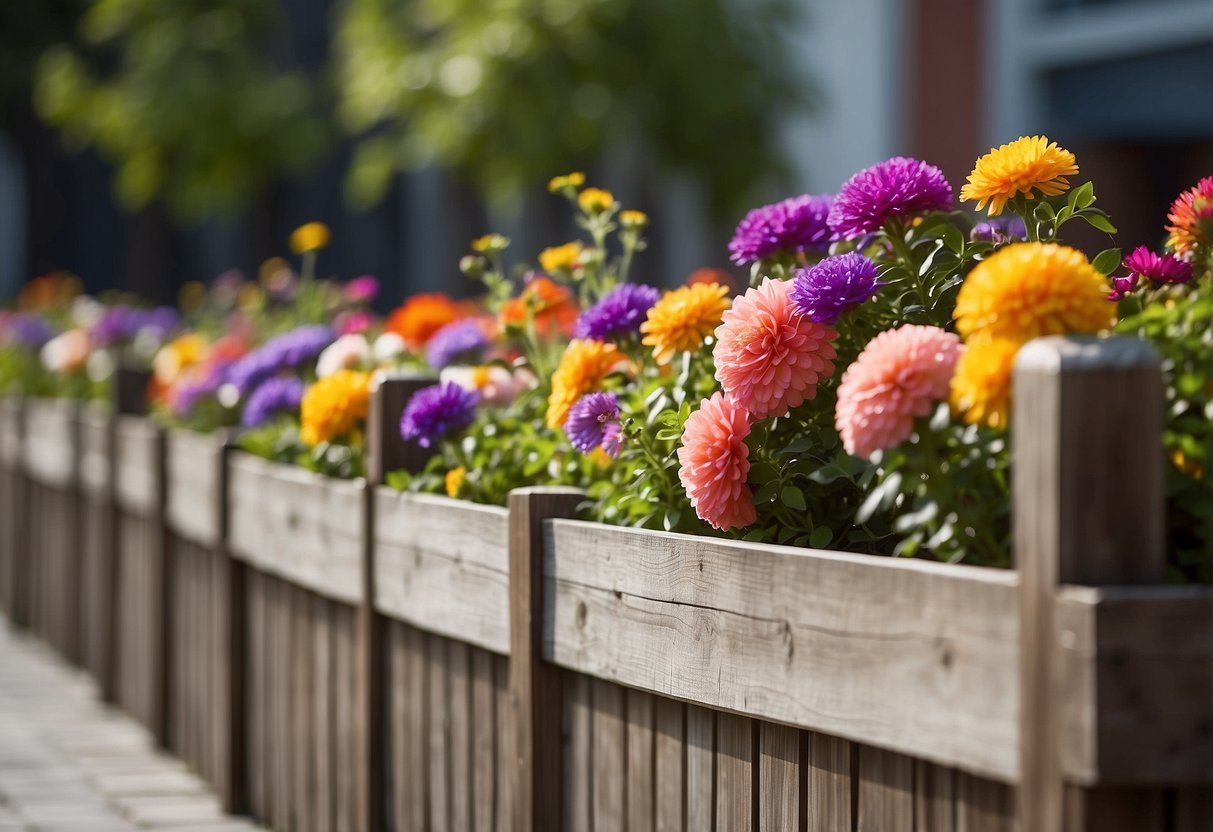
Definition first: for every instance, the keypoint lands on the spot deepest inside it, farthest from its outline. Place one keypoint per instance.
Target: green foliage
(508, 91)
(26, 29)
(278, 441)
(179, 96)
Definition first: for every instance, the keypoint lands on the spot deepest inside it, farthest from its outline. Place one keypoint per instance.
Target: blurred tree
(513, 91)
(177, 95)
(25, 30)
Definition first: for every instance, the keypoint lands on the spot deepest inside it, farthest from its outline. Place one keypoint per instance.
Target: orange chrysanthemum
(1191, 218)
(981, 386)
(714, 463)
(334, 407)
(683, 319)
(550, 303)
(421, 316)
(1029, 290)
(1026, 165)
(582, 368)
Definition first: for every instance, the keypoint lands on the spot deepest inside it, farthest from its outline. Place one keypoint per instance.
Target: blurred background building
(835, 85)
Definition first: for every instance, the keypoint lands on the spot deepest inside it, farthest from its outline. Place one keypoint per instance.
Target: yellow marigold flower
(1028, 290)
(582, 368)
(176, 355)
(981, 384)
(454, 480)
(595, 200)
(1031, 163)
(560, 258)
(683, 319)
(490, 243)
(633, 219)
(570, 180)
(310, 237)
(334, 406)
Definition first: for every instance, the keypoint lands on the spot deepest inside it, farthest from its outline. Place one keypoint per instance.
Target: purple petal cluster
(794, 225)
(620, 313)
(824, 291)
(1166, 268)
(435, 411)
(290, 349)
(122, 323)
(459, 340)
(998, 230)
(28, 331)
(897, 187)
(594, 422)
(272, 396)
(187, 394)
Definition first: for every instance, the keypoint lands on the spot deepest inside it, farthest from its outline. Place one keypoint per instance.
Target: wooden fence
(337, 655)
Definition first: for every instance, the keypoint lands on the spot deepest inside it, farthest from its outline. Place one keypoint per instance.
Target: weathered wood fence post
(1088, 509)
(386, 451)
(535, 689)
(231, 725)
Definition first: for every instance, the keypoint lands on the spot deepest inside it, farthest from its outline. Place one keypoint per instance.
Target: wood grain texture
(138, 465)
(641, 776)
(907, 655)
(484, 741)
(984, 805)
(50, 440)
(609, 757)
(734, 773)
(669, 764)
(438, 726)
(443, 565)
(829, 783)
(578, 753)
(886, 791)
(700, 767)
(193, 468)
(934, 798)
(459, 707)
(96, 449)
(297, 525)
(779, 778)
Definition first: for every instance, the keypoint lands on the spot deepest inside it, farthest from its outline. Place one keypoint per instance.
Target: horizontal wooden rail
(194, 465)
(49, 446)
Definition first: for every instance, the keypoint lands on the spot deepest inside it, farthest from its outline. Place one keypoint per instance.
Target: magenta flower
(898, 187)
(362, 289)
(793, 225)
(594, 422)
(1166, 268)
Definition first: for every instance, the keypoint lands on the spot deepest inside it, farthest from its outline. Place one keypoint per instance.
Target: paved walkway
(69, 763)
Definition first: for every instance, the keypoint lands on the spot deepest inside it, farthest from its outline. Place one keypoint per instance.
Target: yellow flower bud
(310, 236)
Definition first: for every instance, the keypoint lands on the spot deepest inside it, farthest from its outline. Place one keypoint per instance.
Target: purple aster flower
(824, 291)
(435, 411)
(619, 313)
(900, 186)
(122, 323)
(272, 396)
(28, 331)
(1165, 269)
(463, 339)
(998, 230)
(362, 289)
(594, 422)
(290, 349)
(794, 225)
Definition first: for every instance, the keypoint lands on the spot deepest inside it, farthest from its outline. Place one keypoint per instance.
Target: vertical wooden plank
(734, 773)
(829, 783)
(534, 684)
(1114, 810)
(779, 778)
(324, 684)
(406, 798)
(439, 736)
(641, 780)
(670, 764)
(608, 754)
(1088, 509)
(484, 741)
(1194, 809)
(984, 805)
(251, 702)
(460, 710)
(934, 796)
(886, 791)
(701, 768)
(578, 758)
(284, 704)
(506, 752)
(345, 660)
(304, 785)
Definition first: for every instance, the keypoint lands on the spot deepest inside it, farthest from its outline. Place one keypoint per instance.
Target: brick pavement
(71, 764)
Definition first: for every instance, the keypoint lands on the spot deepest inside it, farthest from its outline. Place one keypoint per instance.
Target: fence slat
(640, 774)
(484, 741)
(934, 796)
(983, 805)
(829, 783)
(734, 773)
(886, 791)
(779, 778)
(439, 736)
(701, 767)
(578, 763)
(460, 714)
(670, 764)
(608, 751)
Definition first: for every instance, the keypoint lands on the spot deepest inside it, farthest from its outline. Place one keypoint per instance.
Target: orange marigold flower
(421, 316)
(1191, 218)
(582, 368)
(1029, 290)
(334, 407)
(1026, 165)
(683, 319)
(981, 386)
(550, 303)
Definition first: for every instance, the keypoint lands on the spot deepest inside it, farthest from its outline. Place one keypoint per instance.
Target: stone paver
(70, 764)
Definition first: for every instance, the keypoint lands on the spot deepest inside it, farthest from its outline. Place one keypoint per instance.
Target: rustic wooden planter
(52, 545)
(300, 537)
(13, 595)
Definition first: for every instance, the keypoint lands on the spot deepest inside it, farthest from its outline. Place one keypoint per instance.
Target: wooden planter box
(51, 454)
(301, 538)
(442, 586)
(12, 508)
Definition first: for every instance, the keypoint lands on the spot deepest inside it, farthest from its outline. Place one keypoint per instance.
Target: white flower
(66, 352)
(387, 346)
(344, 353)
(495, 384)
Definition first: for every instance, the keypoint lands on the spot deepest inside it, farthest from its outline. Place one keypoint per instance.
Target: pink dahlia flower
(714, 463)
(899, 375)
(768, 356)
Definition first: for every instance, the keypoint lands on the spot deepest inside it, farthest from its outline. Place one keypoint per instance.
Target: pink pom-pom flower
(769, 358)
(899, 376)
(714, 463)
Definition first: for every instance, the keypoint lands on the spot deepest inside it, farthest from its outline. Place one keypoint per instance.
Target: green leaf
(792, 497)
(1082, 197)
(1097, 219)
(821, 537)
(1106, 261)
(953, 238)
